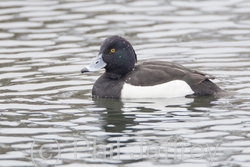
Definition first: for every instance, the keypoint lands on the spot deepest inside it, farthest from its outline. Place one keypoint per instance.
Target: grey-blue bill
(96, 64)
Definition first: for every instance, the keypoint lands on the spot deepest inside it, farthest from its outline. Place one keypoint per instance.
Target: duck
(125, 78)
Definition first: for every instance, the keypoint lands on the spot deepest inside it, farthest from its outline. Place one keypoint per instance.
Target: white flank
(171, 89)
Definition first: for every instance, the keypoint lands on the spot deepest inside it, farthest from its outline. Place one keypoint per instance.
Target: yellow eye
(112, 50)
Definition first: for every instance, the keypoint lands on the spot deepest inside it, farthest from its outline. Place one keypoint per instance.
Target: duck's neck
(113, 75)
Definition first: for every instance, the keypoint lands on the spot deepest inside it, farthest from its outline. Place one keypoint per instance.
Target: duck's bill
(96, 64)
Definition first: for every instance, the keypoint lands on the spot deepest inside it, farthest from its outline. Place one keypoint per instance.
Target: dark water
(48, 117)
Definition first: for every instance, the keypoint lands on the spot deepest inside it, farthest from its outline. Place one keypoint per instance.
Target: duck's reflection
(204, 102)
(121, 114)
(114, 118)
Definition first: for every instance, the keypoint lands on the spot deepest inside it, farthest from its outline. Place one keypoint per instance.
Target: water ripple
(44, 98)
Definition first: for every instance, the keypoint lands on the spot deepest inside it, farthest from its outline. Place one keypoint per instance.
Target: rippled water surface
(48, 117)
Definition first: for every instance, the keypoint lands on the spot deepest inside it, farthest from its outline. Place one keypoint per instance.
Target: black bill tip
(84, 70)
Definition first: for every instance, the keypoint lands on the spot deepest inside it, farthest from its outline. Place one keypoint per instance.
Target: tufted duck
(124, 78)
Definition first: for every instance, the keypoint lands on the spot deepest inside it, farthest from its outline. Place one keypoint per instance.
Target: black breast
(106, 87)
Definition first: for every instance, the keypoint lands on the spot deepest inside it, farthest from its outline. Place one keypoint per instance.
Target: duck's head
(116, 55)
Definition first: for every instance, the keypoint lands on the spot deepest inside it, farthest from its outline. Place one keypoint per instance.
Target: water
(48, 117)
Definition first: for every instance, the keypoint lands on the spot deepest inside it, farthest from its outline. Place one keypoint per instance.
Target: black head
(116, 55)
